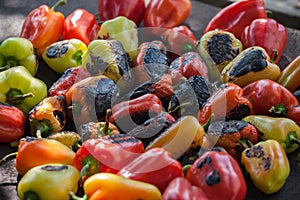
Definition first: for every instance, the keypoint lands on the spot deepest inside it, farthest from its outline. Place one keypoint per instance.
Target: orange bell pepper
(289, 77)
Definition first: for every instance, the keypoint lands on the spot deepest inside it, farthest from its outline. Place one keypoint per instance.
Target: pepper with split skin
(289, 77)
(267, 164)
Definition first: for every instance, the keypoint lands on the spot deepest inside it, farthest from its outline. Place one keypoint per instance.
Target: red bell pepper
(155, 166)
(82, 25)
(294, 114)
(268, 34)
(131, 9)
(235, 17)
(219, 175)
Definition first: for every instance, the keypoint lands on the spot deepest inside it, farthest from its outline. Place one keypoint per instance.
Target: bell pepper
(131, 9)
(93, 130)
(34, 151)
(19, 88)
(226, 103)
(82, 25)
(235, 17)
(268, 34)
(294, 114)
(288, 77)
(283, 130)
(12, 126)
(15, 51)
(267, 165)
(43, 26)
(49, 181)
(250, 65)
(167, 13)
(151, 166)
(123, 30)
(69, 138)
(219, 175)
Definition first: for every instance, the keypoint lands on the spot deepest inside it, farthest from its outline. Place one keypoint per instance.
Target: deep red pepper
(294, 114)
(235, 17)
(82, 25)
(266, 33)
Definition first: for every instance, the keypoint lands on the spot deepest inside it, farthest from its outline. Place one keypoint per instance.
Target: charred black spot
(255, 151)
(30, 139)
(207, 160)
(122, 138)
(239, 112)
(58, 50)
(213, 178)
(54, 168)
(266, 163)
(227, 127)
(59, 115)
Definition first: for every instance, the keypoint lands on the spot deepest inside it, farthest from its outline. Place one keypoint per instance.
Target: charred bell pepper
(218, 173)
(267, 165)
(283, 130)
(235, 17)
(12, 125)
(226, 103)
(34, 151)
(57, 181)
(69, 138)
(43, 26)
(64, 54)
(151, 166)
(131, 9)
(19, 88)
(250, 65)
(289, 76)
(268, 34)
(48, 116)
(16, 51)
(167, 13)
(102, 186)
(82, 25)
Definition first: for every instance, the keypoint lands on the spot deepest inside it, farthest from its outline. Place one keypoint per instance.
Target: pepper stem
(274, 56)
(72, 196)
(292, 139)
(15, 96)
(186, 47)
(207, 123)
(58, 3)
(106, 127)
(185, 169)
(280, 110)
(8, 156)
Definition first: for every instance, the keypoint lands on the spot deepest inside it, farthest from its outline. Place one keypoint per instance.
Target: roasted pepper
(19, 88)
(151, 166)
(15, 51)
(167, 13)
(69, 138)
(218, 173)
(250, 65)
(43, 26)
(236, 16)
(12, 125)
(289, 76)
(34, 151)
(82, 25)
(47, 182)
(268, 34)
(267, 165)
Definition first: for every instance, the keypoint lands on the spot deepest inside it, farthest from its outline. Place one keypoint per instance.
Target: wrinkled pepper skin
(43, 26)
(12, 125)
(151, 166)
(103, 186)
(250, 65)
(268, 34)
(38, 151)
(82, 25)
(235, 17)
(289, 76)
(219, 175)
(167, 13)
(97, 130)
(267, 165)
(48, 182)
(16, 51)
(19, 88)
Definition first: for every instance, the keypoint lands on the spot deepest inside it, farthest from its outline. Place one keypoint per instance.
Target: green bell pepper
(19, 88)
(16, 51)
(64, 54)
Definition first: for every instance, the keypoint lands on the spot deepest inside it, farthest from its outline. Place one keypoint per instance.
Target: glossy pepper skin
(268, 34)
(166, 13)
(64, 54)
(15, 51)
(43, 26)
(19, 88)
(288, 77)
(131, 9)
(102, 186)
(218, 172)
(267, 165)
(12, 125)
(82, 25)
(235, 17)
(49, 181)
(38, 151)
(283, 130)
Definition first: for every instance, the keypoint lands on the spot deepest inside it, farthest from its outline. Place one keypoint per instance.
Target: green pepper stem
(280, 110)
(274, 57)
(58, 3)
(185, 169)
(83, 171)
(8, 156)
(107, 116)
(78, 57)
(178, 107)
(186, 47)
(207, 123)
(15, 96)
(72, 196)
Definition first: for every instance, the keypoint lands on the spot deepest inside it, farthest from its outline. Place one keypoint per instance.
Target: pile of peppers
(114, 124)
